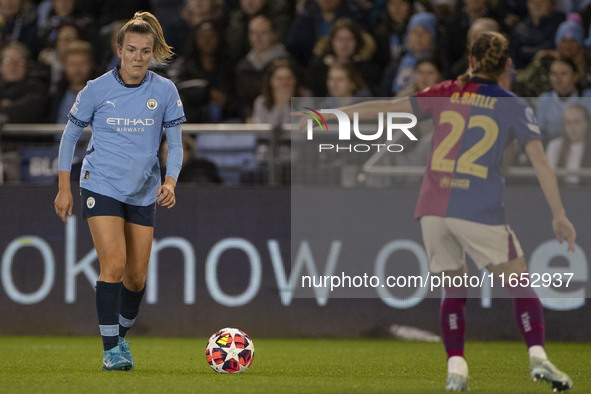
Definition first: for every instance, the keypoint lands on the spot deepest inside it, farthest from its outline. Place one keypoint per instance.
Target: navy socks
(108, 296)
(130, 307)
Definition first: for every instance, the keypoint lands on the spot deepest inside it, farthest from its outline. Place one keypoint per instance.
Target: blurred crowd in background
(242, 60)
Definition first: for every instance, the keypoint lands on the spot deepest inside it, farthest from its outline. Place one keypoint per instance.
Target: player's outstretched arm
(369, 109)
(563, 228)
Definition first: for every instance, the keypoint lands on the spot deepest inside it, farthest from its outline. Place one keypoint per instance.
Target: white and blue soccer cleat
(125, 352)
(456, 382)
(545, 371)
(113, 360)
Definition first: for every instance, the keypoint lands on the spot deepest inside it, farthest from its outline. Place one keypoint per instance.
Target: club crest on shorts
(90, 202)
(152, 103)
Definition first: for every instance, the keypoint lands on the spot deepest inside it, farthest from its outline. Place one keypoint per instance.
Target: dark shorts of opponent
(94, 204)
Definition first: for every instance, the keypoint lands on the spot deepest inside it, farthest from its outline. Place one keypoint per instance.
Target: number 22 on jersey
(465, 164)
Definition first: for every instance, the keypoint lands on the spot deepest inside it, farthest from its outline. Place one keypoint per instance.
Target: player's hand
(63, 205)
(166, 197)
(564, 231)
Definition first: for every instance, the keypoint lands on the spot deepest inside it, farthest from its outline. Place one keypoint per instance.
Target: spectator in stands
(347, 43)
(22, 100)
(315, 22)
(204, 77)
(427, 73)
(78, 69)
(564, 77)
(573, 150)
(280, 84)
(480, 25)
(194, 169)
(107, 49)
(536, 32)
(391, 31)
(51, 58)
(455, 39)
(262, 35)
(109, 11)
(570, 43)
(533, 80)
(52, 14)
(420, 44)
(444, 10)
(193, 13)
(511, 12)
(18, 23)
(237, 32)
(197, 11)
(344, 84)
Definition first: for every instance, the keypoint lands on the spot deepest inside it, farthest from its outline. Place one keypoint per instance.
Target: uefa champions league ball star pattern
(229, 351)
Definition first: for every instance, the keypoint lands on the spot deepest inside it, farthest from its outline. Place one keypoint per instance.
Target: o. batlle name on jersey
(136, 124)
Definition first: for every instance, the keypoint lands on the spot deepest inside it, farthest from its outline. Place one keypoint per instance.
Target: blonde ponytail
(146, 23)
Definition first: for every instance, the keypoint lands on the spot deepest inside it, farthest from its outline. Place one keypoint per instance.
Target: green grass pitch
(164, 365)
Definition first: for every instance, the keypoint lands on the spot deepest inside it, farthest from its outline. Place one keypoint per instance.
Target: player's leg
(139, 246)
(108, 237)
(139, 232)
(109, 241)
(446, 256)
(452, 318)
(497, 248)
(526, 305)
(530, 319)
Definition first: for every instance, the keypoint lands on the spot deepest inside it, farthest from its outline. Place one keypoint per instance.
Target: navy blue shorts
(94, 204)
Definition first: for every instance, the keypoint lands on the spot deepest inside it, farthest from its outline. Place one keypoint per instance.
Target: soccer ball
(229, 351)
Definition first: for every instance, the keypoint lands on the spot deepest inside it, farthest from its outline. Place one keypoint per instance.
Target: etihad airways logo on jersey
(130, 125)
(390, 119)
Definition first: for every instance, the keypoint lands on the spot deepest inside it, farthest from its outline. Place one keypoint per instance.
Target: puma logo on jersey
(111, 102)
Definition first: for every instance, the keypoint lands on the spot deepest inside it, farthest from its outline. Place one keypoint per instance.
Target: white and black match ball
(229, 350)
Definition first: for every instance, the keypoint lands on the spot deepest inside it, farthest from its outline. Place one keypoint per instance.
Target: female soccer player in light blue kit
(127, 109)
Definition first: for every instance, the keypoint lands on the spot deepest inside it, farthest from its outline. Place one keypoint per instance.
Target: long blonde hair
(146, 23)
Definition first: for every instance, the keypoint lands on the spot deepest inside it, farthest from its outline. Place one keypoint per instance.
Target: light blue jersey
(127, 123)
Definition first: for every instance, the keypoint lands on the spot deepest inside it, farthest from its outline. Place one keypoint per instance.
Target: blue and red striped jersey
(473, 124)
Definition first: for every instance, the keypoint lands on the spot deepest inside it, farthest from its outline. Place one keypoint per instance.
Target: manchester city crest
(152, 103)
